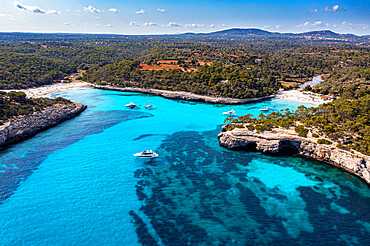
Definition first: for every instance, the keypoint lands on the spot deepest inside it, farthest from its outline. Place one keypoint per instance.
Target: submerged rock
(280, 140)
(22, 127)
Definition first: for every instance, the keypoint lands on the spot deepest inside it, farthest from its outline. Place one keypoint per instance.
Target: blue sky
(158, 17)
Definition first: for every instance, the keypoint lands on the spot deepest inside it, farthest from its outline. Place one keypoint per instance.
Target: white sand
(41, 91)
(298, 96)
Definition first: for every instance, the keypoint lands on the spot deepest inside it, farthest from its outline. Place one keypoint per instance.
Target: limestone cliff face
(275, 141)
(22, 127)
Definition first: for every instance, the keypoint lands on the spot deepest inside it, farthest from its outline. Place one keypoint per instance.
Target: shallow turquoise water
(79, 184)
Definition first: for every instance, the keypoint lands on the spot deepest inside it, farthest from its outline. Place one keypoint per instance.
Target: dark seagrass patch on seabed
(197, 194)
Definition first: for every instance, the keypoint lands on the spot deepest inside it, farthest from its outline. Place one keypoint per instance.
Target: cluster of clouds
(142, 11)
(33, 9)
(267, 26)
(344, 24)
(91, 9)
(173, 24)
(308, 24)
(335, 8)
(349, 25)
(39, 10)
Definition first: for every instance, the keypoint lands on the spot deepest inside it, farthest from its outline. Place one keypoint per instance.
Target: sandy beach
(41, 91)
(291, 95)
(298, 96)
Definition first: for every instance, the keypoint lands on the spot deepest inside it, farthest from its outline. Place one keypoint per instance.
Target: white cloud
(141, 11)
(313, 11)
(91, 9)
(278, 26)
(333, 9)
(78, 11)
(212, 26)
(97, 17)
(349, 25)
(150, 24)
(195, 25)
(66, 23)
(52, 12)
(109, 25)
(265, 27)
(114, 10)
(173, 24)
(223, 25)
(308, 24)
(133, 23)
(7, 15)
(33, 9)
(161, 10)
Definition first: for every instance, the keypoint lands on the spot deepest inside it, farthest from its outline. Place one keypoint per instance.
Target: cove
(78, 183)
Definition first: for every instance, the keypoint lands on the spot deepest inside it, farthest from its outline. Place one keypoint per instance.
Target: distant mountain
(258, 33)
(241, 32)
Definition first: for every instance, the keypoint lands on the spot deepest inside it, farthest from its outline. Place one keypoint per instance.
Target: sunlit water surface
(78, 183)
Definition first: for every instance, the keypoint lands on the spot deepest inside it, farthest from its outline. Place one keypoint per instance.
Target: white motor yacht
(230, 113)
(131, 105)
(146, 154)
(264, 109)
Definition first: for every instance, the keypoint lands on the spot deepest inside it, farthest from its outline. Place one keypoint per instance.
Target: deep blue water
(78, 183)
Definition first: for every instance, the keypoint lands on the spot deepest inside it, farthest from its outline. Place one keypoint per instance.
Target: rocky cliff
(280, 140)
(183, 95)
(22, 127)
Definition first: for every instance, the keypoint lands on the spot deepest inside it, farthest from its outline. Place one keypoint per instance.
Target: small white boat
(264, 109)
(131, 105)
(146, 154)
(230, 113)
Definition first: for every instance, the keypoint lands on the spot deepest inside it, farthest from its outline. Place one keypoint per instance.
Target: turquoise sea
(78, 183)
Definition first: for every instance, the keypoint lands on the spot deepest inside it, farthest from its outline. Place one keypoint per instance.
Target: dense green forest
(205, 81)
(28, 60)
(20, 71)
(345, 122)
(16, 103)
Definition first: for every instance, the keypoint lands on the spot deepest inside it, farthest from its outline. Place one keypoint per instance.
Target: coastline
(183, 95)
(23, 127)
(299, 96)
(279, 140)
(47, 89)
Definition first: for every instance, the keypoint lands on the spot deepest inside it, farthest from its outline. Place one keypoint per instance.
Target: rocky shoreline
(183, 95)
(22, 127)
(280, 140)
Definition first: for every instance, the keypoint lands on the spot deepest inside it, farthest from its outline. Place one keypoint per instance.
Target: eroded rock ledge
(183, 95)
(22, 127)
(280, 139)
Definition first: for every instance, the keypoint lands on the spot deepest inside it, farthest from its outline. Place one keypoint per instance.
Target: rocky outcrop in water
(280, 140)
(22, 127)
(183, 95)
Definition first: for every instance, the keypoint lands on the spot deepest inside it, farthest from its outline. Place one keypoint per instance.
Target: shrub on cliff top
(323, 141)
(301, 130)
